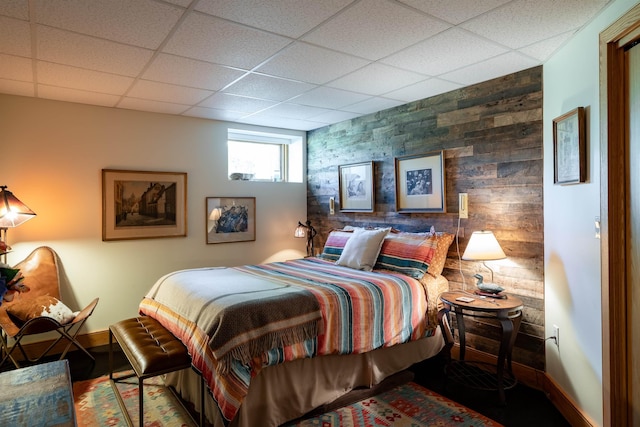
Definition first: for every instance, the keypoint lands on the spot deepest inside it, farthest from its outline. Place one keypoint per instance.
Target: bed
(274, 341)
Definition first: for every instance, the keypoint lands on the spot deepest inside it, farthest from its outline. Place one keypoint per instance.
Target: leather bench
(151, 350)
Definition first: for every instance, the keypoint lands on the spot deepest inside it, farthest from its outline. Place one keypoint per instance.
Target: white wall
(52, 154)
(572, 253)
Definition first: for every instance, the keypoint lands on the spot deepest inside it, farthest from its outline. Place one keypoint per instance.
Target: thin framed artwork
(230, 219)
(420, 184)
(143, 205)
(357, 190)
(570, 147)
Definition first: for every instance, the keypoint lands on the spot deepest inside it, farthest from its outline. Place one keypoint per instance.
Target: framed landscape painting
(570, 148)
(420, 185)
(230, 219)
(143, 205)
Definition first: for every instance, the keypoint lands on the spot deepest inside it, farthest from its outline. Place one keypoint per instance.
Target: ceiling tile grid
(296, 64)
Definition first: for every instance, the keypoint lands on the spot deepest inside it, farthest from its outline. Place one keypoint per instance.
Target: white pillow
(362, 249)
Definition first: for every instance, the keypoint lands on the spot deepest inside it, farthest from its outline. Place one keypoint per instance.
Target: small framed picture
(357, 191)
(143, 205)
(420, 185)
(570, 148)
(230, 219)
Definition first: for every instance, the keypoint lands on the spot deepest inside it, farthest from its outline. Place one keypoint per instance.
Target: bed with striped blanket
(239, 321)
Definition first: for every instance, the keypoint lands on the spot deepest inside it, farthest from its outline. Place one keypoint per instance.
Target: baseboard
(538, 380)
(92, 339)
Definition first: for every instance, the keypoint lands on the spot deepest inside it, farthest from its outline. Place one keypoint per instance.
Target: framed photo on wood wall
(143, 205)
(230, 219)
(357, 190)
(570, 148)
(420, 185)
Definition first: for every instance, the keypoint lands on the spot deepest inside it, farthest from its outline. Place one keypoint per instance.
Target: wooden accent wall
(491, 134)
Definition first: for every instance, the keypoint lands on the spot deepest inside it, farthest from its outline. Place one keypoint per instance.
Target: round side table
(508, 312)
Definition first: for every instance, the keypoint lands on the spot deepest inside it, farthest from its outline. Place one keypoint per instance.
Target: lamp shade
(483, 246)
(12, 211)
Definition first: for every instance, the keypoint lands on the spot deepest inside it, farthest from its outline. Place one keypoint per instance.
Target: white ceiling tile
(77, 78)
(15, 9)
(15, 37)
(236, 103)
(190, 72)
(88, 52)
(374, 29)
(164, 92)
(213, 113)
(293, 111)
(291, 18)
(282, 123)
(334, 116)
(494, 67)
(545, 48)
(328, 97)
(523, 22)
(372, 105)
(218, 41)
(423, 89)
(79, 96)
(144, 23)
(266, 87)
(447, 51)
(376, 79)
(13, 87)
(312, 64)
(153, 106)
(15, 68)
(456, 11)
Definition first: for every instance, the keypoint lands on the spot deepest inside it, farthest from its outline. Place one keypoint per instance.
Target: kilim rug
(408, 405)
(96, 404)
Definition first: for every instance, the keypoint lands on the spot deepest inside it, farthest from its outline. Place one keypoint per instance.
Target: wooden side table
(508, 312)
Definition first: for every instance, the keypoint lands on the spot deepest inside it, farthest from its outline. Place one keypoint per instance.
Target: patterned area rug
(409, 405)
(96, 404)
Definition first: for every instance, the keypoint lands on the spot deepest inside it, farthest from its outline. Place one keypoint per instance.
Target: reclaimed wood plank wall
(491, 134)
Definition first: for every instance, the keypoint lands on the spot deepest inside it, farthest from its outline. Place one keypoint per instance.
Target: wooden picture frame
(570, 147)
(420, 183)
(143, 204)
(230, 219)
(357, 189)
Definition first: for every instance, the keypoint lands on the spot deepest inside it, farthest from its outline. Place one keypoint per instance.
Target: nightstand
(481, 375)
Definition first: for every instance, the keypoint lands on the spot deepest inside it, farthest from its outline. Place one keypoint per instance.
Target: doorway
(620, 213)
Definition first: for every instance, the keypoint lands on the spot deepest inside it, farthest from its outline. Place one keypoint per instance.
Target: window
(262, 156)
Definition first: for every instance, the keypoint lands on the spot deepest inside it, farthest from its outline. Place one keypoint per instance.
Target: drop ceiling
(294, 64)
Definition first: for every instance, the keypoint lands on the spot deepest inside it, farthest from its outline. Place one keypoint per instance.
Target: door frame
(616, 296)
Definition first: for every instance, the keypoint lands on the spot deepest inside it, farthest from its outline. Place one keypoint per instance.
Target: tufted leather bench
(151, 350)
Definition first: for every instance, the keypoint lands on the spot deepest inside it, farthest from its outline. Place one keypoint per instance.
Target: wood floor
(525, 406)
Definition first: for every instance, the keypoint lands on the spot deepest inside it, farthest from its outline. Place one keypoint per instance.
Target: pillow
(335, 244)
(407, 253)
(440, 255)
(362, 249)
(44, 305)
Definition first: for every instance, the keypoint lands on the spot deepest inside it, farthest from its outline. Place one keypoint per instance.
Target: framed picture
(357, 192)
(570, 148)
(143, 205)
(420, 185)
(230, 219)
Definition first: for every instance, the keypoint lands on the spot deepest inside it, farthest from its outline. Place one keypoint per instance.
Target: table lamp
(12, 213)
(307, 231)
(483, 246)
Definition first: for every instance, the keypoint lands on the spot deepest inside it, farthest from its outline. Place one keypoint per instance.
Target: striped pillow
(334, 245)
(407, 253)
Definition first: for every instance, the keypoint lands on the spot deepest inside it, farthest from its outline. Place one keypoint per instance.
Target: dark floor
(524, 406)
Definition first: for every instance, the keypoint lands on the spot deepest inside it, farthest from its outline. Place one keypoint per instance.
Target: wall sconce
(12, 213)
(483, 246)
(309, 232)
